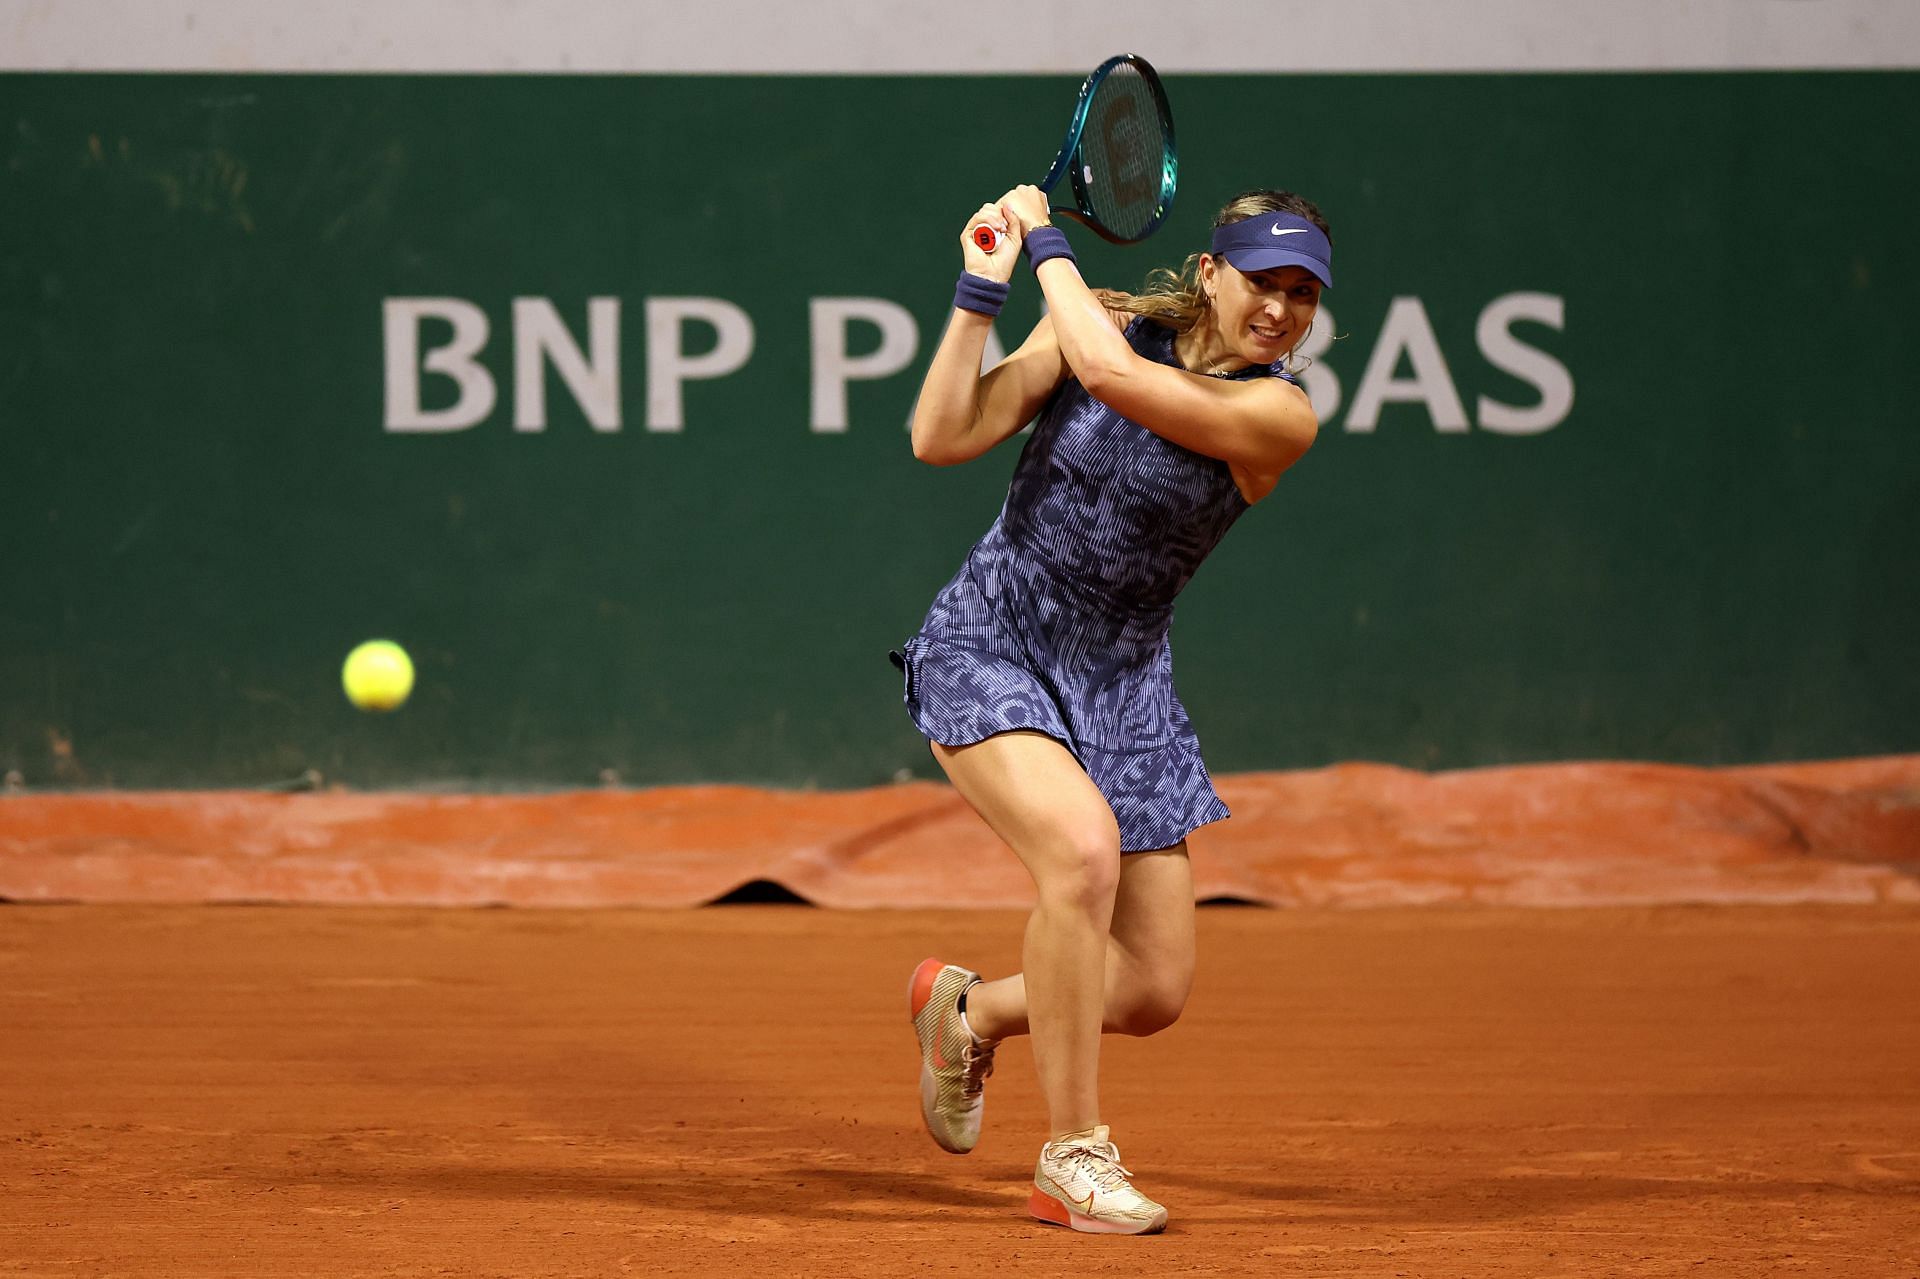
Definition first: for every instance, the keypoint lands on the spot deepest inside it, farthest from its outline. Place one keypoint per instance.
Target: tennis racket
(1119, 154)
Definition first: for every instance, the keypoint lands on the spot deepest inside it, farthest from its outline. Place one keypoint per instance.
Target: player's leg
(1034, 794)
(1079, 1181)
(1153, 938)
(1149, 959)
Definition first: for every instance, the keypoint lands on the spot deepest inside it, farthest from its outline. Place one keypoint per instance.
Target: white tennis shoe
(1081, 1184)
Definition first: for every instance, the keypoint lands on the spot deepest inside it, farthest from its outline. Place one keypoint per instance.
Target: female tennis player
(1043, 676)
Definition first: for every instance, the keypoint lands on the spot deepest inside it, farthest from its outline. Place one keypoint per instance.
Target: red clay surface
(1350, 835)
(295, 1091)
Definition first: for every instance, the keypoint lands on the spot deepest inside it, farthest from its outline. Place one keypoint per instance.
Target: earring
(1294, 358)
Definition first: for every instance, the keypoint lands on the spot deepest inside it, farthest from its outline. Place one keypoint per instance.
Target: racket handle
(985, 238)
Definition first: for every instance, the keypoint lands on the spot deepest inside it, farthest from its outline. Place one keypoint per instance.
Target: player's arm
(1263, 426)
(961, 412)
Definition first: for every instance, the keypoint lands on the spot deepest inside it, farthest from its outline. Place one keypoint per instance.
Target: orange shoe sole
(1045, 1207)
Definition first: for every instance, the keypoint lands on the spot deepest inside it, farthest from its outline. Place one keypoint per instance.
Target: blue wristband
(980, 295)
(1048, 242)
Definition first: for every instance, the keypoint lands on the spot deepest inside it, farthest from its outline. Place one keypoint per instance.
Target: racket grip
(985, 238)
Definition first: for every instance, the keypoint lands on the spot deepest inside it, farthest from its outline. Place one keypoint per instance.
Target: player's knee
(1084, 869)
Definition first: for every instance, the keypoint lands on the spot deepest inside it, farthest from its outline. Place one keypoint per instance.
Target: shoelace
(979, 1062)
(1101, 1162)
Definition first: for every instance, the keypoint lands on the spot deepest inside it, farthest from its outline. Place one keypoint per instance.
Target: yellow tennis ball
(378, 676)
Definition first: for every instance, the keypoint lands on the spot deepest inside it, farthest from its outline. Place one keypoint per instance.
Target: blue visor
(1269, 240)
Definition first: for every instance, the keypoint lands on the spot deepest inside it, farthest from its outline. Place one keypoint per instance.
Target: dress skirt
(1012, 644)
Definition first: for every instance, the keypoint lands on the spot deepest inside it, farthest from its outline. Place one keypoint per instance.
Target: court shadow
(793, 1189)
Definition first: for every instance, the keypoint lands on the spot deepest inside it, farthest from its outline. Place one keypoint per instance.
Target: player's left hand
(999, 264)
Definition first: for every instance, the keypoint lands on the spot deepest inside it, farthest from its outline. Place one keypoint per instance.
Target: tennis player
(1042, 675)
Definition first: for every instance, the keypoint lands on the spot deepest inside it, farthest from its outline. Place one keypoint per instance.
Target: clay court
(335, 1091)
(1593, 1020)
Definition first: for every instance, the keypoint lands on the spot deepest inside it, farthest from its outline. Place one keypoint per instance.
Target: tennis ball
(378, 676)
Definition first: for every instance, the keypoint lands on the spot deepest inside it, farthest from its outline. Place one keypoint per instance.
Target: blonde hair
(1176, 298)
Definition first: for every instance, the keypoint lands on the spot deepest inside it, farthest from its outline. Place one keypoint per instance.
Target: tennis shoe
(1080, 1183)
(953, 1068)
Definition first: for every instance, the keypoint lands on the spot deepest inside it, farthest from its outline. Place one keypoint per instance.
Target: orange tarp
(1349, 835)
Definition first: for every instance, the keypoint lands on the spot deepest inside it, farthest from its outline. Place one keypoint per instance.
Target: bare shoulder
(1291, 400)
(1289, 390)
(1282, 395)
(1285, 401)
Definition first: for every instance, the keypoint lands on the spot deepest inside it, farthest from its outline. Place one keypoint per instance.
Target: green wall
(1713, 558)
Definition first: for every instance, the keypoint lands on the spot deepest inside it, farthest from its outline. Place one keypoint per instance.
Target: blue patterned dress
(1058, 620)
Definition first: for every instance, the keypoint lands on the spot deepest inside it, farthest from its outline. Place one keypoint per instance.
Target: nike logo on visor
(1298, 230)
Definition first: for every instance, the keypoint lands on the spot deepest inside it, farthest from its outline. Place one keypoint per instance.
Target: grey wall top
(859, 36)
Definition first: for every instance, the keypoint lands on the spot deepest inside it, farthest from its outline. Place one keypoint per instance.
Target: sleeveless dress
(1058, 620)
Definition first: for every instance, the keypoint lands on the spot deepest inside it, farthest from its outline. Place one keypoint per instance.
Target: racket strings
(1123, 151)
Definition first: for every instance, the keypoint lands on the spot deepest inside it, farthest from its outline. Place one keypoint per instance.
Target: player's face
(1263, 314)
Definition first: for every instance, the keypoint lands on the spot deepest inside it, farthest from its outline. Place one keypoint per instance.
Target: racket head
(1120, 154)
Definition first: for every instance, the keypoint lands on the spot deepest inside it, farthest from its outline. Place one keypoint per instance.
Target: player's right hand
(1025, 207)
(999, 264)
